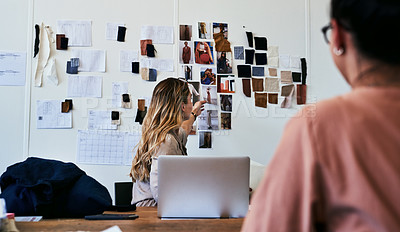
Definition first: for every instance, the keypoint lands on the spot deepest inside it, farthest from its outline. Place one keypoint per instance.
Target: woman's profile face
(187, 108)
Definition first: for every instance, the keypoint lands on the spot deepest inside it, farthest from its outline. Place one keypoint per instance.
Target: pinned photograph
(185, 32)
(226, 102)
(204, 30)
(226, 121)
(221, 28)
(186, 72)
(207, 76)
(226, 84)
(224, 62)
(205, 139)
(209, 94)
(208, 120)
(195, 91)
(204, 52)
(186, 52)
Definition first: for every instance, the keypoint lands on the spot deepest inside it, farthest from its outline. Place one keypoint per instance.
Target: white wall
(292, 25)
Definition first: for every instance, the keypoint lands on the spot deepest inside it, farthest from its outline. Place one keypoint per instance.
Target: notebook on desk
(203, 187)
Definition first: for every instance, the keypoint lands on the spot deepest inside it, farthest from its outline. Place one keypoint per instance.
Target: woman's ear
(337, 40)
(183, 107)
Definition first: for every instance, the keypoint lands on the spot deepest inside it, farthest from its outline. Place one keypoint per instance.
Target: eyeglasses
(327, 32)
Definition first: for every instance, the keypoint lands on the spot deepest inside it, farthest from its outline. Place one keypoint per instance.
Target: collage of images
(214, 82)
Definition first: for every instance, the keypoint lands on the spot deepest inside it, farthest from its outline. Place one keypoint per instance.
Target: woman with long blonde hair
(164, 132)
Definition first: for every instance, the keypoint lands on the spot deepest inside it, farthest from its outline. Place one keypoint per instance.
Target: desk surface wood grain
(147, 221)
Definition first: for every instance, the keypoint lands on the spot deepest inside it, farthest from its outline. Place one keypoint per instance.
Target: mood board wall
(254, 132)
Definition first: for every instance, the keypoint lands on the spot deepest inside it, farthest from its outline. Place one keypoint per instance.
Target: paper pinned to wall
(126, 58)
(112, 30)
(84, 86)
(165, 65)
(118, 88)
(12, 68)
(90, 60)
(100, 120)
(79, 33)
(106, 147)
(49, 116)
(158, 34)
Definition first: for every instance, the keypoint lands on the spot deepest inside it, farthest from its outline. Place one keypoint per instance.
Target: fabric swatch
(272, 84)
(258, 71)
(257, 84)
(140, 114)
(244, 71)
(284, 61)
(71, 69)
(37, 40)
(273, 61)
(273, 98)
(114, 115)
(249, 56)
(249, 38)
(64, 43)
(286, 90)
(152, 74)
(261, 58)
(58, 41)
(301, 94)
(261, 99)
(144, 73)
(273, 51)
(238, 52)
(246, 87)
(65, 107)
(295, 62)
(141, 104)
(261, 43)
(273, 72)
(296, 76)
(143, 46)
(286, 77)
(121, 34)
(150, 50)
(135, 67)
(303, 70)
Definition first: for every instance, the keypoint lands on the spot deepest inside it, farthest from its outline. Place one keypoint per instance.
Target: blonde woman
(164, 132)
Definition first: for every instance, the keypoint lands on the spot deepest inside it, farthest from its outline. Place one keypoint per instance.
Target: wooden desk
(147, 221)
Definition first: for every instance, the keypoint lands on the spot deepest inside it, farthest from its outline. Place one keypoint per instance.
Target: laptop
(203, 187)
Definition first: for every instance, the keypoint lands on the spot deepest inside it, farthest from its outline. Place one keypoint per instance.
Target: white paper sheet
(118, 88)
(79, 33)
(163, 65)
(158, 34)
(84, 86)
(90, 60)
(284, 61)
(295, 62)
(100, 120)
(112, 30)
(126, 58)
(12, 68)
(106, 147)
(49, 116)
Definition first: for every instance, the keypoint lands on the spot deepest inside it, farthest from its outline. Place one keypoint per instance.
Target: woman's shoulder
(171, 144)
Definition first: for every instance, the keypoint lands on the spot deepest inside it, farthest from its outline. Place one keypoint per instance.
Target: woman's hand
(198, 107)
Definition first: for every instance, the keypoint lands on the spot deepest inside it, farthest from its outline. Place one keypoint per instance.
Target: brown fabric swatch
(246, 87)
(261, 99)
(301, 94)
(272, 84)
(58, 41)
(257, 84)
(273, 98)
(141, 104)
(221, 44)
(65, 107)
(273, 72)
(286, 90)
(286, 77)
(145, 73)
(143, 46)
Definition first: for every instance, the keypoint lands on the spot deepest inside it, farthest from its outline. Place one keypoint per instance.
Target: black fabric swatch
(152, 74)
(114, 115)
(296, 76)
(250, 38)
(303, 70)
(261, 43)
(125, 97)
(121, 34)
(244, 70)
(37, 40)
(70, 69)
(64, 43)
(140, 115)
(249, 56)
(135, 67)
(150, 50)
(261, 58)
(258, 71)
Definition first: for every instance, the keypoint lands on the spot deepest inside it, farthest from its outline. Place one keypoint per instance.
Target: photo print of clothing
(204, 52)
(205, 139)
(186, 72)
(196, 91)
(208, 76)
(208, 120)
(186, 52)
(209, 94)
(226, 84)
(204, 30)
(185, 32)
(220, 37)
(226, 102)
(224, 62)
(226, 121)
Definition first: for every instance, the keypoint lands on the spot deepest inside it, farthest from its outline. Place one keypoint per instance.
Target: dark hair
(374, 25)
